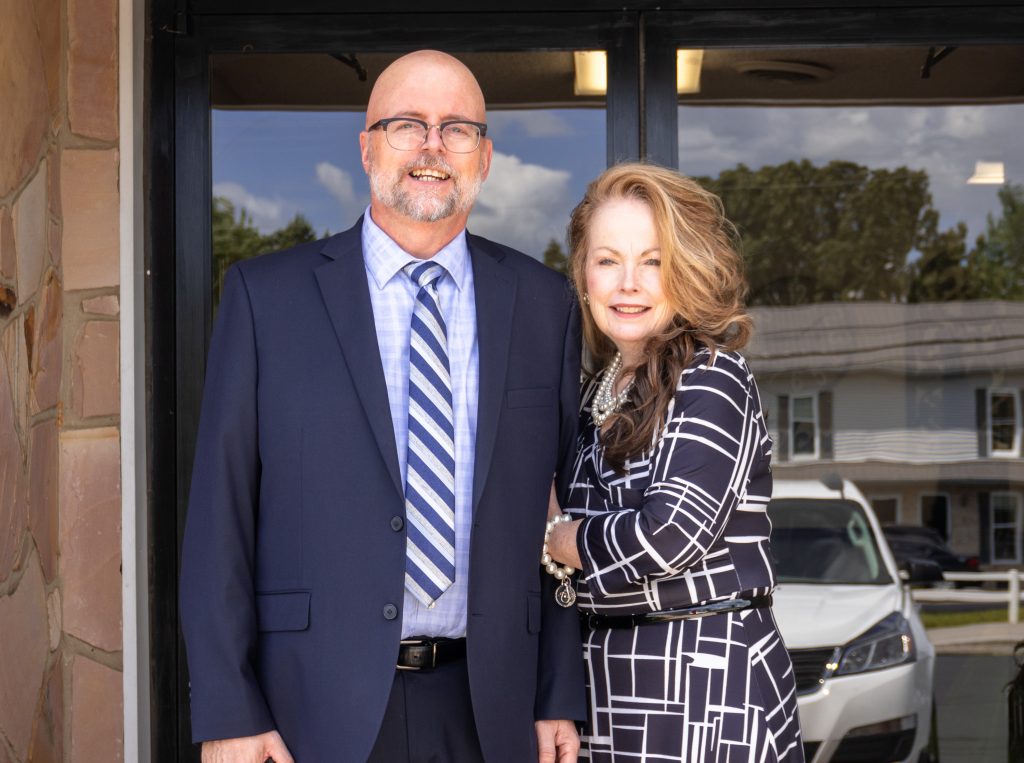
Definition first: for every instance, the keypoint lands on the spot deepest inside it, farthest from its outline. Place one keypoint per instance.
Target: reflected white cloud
(945, 141)
(339, 184)
(522, 205)
(267, 214)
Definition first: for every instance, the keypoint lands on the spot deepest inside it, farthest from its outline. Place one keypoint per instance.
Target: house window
(935, 513)
(886, 508)
(1006, 527)
(804, 427)
(1004, 423)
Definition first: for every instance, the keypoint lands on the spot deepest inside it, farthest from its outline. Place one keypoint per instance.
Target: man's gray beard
(424, 207)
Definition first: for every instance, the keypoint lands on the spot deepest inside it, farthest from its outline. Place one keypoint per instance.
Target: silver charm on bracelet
(565, 594)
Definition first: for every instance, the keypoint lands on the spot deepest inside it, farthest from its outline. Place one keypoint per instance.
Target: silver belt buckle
(418, 642)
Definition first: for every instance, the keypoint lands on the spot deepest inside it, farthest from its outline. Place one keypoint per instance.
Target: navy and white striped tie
(430, 471)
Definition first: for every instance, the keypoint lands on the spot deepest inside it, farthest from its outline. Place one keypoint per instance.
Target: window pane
(286, 163)
(1002, 436)
(885, 510)
(803, 438)
(881, 219)
(1002, 407)
(1005, 542)
(803, 408)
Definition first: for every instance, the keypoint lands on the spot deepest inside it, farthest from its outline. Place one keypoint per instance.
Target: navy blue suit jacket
(293, 570)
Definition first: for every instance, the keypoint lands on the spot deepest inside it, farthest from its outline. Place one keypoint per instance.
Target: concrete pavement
(979, 638)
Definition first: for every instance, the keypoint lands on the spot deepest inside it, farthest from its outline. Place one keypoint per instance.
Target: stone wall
(60, 515)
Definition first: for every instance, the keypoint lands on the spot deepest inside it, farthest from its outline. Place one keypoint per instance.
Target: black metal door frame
(642, 122)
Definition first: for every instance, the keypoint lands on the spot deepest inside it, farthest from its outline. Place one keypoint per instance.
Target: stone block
(104, 305)
(14, 349)
(30, 234)
(23, 93)
(48, 25)
(42, 494)
(89, 248)
(94, 386)
(90, 535)
(43, 339)
(48, 734)
(8, 255)
(23, 651)
(13, 505)
(96, 713)
(92, 68)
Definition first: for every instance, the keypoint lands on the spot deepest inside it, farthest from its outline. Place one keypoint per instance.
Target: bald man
(382, 416)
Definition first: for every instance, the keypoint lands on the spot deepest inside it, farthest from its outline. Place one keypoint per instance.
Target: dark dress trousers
(294, 556)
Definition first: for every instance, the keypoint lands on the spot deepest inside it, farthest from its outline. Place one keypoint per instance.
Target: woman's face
(623, 273)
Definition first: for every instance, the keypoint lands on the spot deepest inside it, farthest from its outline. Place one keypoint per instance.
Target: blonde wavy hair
(701, 277)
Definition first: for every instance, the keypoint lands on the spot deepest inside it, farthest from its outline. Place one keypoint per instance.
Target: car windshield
(824, 541)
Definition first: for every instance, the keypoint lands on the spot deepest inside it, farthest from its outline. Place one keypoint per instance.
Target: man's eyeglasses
(408, 134)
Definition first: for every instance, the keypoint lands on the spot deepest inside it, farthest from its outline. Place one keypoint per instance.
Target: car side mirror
(920, 571)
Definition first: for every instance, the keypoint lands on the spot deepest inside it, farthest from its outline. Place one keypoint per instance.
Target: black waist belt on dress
(595, 621)
(422, 653)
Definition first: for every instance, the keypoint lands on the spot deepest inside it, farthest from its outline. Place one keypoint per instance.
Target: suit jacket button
(397, 523)
(390, 611)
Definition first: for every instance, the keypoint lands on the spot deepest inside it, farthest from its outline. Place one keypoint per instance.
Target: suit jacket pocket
(533, 613)
(283, 611)
(530, 397)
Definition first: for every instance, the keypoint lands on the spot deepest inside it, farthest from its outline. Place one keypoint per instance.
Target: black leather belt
(427, 653)
(594, 622)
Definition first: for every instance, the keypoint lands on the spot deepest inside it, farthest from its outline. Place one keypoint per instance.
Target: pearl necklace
(605, 403)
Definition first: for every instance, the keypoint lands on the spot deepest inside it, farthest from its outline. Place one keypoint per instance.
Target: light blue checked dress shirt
(393, 296)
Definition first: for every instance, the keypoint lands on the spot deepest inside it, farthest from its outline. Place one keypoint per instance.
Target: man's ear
(486, 149)
(364, 150)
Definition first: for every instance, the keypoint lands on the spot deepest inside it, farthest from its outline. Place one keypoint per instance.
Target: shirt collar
(384, 258)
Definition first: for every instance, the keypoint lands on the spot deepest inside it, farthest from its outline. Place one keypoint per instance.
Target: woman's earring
(586, 299)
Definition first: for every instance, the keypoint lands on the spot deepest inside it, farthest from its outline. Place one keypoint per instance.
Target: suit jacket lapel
(342, 281)
(495, 292)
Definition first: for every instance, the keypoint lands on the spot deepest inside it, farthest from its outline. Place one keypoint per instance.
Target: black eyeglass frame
(383, 124)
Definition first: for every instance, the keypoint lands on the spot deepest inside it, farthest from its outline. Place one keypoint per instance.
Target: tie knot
(424, 273)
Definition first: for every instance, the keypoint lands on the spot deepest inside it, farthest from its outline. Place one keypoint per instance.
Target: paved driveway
(972, 709)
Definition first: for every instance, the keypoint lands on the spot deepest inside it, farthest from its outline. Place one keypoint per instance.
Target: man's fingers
(277, 751)
(546, 752)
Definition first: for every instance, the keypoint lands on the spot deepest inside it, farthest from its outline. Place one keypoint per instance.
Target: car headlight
(888, 643)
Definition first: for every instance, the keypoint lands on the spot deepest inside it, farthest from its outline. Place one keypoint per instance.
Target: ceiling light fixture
(988, 173)
(592, 71)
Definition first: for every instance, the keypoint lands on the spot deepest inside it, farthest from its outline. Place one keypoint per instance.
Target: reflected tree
(236, 238)
(997, 263)
(840, 232)
(556, 258)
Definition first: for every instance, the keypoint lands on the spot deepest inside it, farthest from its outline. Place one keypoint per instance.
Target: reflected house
(918, 404)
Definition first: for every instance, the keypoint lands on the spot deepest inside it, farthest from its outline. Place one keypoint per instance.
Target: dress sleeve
(700, 466)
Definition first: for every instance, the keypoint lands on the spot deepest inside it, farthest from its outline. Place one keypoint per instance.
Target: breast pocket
(530, 397)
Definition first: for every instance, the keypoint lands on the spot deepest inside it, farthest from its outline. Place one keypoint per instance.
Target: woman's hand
(562, 539)
(553, 508)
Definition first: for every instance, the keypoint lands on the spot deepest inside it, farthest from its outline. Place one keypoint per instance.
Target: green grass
(947, 619)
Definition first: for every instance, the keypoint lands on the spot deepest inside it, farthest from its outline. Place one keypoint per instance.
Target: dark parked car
(924, 543)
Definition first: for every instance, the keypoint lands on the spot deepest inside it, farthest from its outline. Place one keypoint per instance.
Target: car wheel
(930, 754)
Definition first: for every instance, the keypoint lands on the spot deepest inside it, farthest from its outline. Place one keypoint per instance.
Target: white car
(862, 659)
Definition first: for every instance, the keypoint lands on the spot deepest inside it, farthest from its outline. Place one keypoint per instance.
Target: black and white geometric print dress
(686, 524)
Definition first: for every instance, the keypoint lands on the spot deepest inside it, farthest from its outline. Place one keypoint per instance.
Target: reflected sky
(277, 164)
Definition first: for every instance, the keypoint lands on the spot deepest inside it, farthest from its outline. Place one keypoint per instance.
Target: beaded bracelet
(565, 595)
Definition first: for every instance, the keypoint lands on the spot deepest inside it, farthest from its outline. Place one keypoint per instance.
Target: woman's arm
(700, 468)
(562, 540)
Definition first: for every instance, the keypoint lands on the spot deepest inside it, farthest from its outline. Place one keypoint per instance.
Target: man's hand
(557, 741)
(249, 750)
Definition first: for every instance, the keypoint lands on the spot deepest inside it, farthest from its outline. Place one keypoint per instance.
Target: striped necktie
(430, 471)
